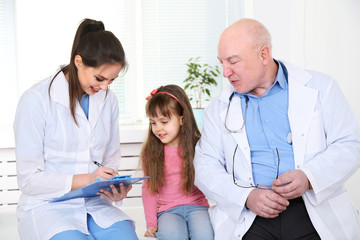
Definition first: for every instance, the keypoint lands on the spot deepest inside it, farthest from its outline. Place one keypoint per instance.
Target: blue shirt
(85, 104)
(268, 128)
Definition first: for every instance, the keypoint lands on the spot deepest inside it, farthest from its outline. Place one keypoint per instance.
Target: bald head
(248, 31)
(244, 50)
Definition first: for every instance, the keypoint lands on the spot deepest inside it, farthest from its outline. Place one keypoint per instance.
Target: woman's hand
(81, 180)
(116, 195)
(150, 232)
(104, 173)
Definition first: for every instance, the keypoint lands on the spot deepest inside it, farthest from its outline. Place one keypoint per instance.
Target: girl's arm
(150, 206)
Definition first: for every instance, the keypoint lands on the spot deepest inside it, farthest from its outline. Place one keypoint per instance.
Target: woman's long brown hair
(152, 154)
(96, 46)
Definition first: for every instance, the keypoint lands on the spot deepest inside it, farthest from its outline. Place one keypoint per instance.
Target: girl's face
(92, 80)
(167, 129)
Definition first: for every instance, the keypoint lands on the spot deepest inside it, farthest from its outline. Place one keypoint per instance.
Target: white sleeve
(211, 174)
(29, 131)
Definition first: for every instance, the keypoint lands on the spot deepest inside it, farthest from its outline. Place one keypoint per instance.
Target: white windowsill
(128, 134)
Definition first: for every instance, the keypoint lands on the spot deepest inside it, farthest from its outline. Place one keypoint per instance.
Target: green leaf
(208, 92)
(200, 77)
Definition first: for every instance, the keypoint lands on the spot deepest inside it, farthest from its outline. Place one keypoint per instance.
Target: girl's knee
(166, 234)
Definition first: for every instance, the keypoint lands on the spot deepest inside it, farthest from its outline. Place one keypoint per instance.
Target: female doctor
(63, 125)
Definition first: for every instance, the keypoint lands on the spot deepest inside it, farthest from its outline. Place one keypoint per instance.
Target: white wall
(322, 35)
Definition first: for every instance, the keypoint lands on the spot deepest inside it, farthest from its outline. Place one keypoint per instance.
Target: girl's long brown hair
(152, 154)
(96, 46)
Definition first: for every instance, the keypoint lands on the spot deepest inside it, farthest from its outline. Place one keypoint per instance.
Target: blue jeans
(184, 222)
(119, 230)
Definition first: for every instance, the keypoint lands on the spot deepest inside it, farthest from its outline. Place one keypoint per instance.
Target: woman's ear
(78, 61)
(181, 120)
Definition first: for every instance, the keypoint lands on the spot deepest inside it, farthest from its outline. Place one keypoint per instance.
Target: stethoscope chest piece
(289, 138)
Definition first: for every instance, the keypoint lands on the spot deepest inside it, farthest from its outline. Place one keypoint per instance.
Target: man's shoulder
(307, 77)
(222, 98)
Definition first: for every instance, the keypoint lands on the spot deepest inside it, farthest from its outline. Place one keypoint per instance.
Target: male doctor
(277, 147)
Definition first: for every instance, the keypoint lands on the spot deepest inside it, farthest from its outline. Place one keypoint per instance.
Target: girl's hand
(150, 232)
(116, 195)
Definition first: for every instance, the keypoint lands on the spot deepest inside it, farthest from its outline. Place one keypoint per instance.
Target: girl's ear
(181, 120)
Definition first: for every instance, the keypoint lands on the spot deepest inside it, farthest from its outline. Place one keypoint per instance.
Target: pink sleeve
(150, 206)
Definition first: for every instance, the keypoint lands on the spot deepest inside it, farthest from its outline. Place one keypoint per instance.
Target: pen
(98, 164)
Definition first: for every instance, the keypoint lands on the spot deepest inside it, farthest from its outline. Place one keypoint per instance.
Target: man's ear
(264, 54)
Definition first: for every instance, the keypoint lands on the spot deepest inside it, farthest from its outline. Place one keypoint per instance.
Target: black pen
(98, 164)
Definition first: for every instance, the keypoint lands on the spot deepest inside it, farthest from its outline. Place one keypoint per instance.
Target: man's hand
(291, 184)
(266, 203)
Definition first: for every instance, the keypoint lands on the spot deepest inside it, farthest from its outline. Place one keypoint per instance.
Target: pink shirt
(170, 195)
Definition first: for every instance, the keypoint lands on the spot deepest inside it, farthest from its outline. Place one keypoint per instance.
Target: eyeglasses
(251, 185)
(227, 112)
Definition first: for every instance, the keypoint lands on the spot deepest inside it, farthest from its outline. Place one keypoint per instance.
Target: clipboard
(92, 189)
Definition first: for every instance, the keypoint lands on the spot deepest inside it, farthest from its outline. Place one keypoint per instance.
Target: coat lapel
(234, 121)
(302, 103)
(59, 91)
(60, 94)
(96, 103)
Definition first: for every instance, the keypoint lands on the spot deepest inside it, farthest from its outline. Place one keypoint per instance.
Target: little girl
(174, 208)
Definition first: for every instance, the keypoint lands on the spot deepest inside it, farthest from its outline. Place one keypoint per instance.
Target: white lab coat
(50, 149)
(326, 144)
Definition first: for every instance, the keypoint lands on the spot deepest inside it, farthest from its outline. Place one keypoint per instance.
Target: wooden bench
(131, 143)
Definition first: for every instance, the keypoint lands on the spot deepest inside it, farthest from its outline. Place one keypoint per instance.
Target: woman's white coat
(51, 148)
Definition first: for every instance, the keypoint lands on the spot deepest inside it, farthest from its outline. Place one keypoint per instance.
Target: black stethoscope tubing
(227, 112)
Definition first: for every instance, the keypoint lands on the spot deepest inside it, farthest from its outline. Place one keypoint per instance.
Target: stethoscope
(227, 112)
(288, 138)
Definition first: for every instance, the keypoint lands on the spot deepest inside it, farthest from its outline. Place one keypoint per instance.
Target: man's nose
(227, 70)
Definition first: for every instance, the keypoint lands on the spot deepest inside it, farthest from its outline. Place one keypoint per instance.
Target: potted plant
(197, 85)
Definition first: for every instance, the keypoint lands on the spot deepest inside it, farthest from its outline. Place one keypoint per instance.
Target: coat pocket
(316, 140)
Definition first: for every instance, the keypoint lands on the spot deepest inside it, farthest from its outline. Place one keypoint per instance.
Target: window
(158, 36)
(7, 62)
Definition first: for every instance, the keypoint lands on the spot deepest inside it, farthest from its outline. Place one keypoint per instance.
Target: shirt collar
(281, 76)
(281, 81)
